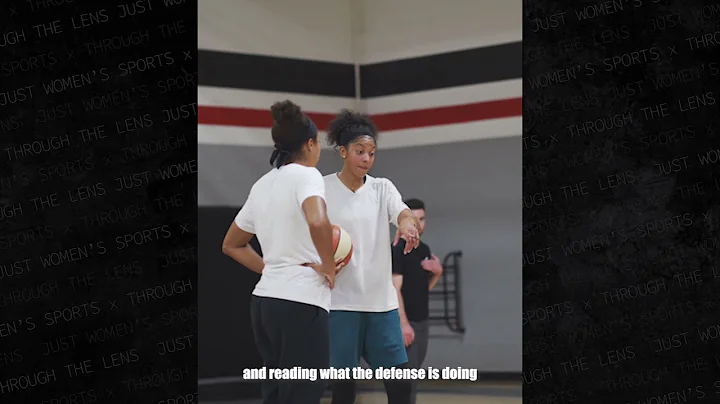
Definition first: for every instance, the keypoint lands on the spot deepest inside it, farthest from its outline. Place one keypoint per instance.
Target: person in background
(414, 275)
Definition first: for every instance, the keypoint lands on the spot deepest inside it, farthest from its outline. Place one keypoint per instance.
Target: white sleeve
(395, 204)
(311, 183)
(244, 218)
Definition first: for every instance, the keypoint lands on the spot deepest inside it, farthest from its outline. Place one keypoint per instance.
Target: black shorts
(291, 334)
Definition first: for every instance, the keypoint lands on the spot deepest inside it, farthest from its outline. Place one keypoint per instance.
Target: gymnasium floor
(450, 393)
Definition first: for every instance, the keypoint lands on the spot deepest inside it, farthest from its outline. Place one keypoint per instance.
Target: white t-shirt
(273, 212)
(365, 284)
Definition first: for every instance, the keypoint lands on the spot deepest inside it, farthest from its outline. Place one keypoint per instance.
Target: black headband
(282, 153)
(349, 134)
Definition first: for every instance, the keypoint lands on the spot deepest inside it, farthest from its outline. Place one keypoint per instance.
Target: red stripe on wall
(249, 117)
(478, 111)
(260, 118)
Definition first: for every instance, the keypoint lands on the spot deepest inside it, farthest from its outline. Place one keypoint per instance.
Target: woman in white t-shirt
(364, 319)
(286, 211)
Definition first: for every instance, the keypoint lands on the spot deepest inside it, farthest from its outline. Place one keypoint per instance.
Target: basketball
(343, 245)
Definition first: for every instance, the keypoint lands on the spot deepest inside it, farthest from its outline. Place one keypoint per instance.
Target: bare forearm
(322, 237)
(408, 215)
(247, 257)
(401, 308)
(433, 281)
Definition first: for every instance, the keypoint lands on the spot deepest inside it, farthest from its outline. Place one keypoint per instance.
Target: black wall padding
(226, 340)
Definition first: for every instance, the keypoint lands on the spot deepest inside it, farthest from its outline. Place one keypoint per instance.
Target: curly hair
(348, 126)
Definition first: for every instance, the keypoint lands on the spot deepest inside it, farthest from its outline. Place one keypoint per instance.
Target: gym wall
(443, 84)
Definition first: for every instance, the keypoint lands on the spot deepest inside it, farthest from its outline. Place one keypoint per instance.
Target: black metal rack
(445, 298)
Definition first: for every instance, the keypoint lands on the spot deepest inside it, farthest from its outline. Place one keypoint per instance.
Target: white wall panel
(394, 29)
(307, 29)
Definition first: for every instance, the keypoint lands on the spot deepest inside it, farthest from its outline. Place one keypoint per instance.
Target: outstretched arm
(402, 217)
(408, 226)
(407, 214)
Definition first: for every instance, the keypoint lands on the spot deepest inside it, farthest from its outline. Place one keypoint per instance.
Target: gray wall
(473, 195)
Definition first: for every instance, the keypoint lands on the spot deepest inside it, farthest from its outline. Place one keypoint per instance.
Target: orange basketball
(342, 244)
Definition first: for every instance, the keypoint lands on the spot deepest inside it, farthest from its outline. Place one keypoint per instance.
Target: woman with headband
(364, 319)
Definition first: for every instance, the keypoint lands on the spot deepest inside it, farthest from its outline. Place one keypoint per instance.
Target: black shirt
(416, 280)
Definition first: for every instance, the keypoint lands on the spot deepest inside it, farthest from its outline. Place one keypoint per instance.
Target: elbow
(227, 248)
(318, 223)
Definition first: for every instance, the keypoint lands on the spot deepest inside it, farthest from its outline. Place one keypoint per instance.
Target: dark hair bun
(286, 112)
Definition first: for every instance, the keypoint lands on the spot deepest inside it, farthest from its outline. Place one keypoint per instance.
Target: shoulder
(298, 168)
(298, 171)
(386, 183)
(382, 187)
(258, 185)
(267, 175)
(380, 183)
(374, 180)
(331, 180)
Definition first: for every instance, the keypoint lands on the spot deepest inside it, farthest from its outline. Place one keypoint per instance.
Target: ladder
(445, 299)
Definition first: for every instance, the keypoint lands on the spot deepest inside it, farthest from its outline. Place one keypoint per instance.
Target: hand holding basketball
(342, 244)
